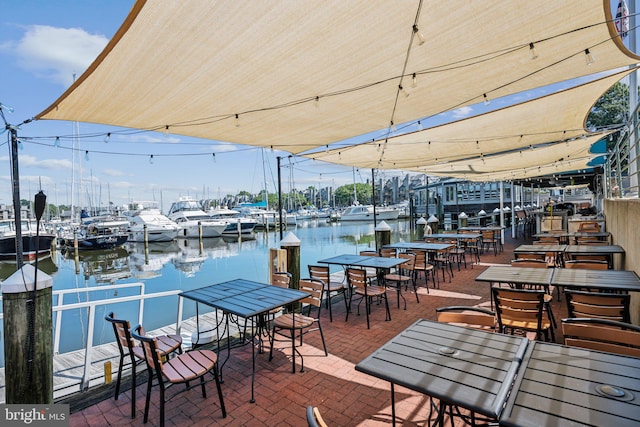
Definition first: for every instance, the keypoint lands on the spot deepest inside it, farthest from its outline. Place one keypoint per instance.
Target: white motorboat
(158, 227)
(192, 221)
(233, 220)
(365, 213)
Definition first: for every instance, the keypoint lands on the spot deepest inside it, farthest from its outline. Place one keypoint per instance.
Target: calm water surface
(181, 265)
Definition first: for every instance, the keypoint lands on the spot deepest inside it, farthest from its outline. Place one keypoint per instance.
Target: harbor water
(181, 265)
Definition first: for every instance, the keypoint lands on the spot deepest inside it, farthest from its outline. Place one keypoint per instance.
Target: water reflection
(105, 266)
(148, 261)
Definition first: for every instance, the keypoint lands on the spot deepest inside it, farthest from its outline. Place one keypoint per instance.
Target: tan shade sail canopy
(526, 163)
(294, 75)
(486, 143)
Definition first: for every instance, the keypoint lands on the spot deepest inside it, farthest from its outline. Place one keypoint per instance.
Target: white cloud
(57, 53)
(26, 160)
(224, 147)
(113, 172)
(462, 112)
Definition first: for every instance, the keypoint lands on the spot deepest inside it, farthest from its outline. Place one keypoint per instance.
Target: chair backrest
(520, 255)
(314, 419)
(320, 272)
(598, 305)
(548, 240)
(474, 317)
(587, 264)
(591, 241)
(357, 278)
(152, 353)
(531, 263)
(368, 253)
(420, 259)
(487, 235)
(410, 263)
(281, 279)
(122, 331)
(602, 335)
(588, 226)
(388, 252)
(314, 287)
(519, 305)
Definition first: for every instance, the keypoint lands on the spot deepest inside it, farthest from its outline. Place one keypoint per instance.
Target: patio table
(562, 386)
(558, 250)
(245, 299)
(608, 280)
(517, 276)
(420, 246)
(459, 366)
(607, 250)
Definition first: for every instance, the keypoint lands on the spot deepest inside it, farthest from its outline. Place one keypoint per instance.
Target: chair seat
(397, 278)
(189, 366)
(287, 321)
(424, 267)
(372, 291)
(334, 286)
(169, 343)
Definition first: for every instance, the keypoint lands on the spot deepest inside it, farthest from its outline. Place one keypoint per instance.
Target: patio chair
(359, 285)
(314, 419)
(280, 279)
(182, 369)
(167, 344)
(548, 297)
(473, 317)
(599, 305)
(372, 273)
(322, 272)
(442, 260)
(297, 322)
(489, 241)
(522, 309)
(404, 274)
(422, 265)
(457, 252)
(589, 227)
(388, 252)
(470, 245)
(589, 264)
(602, 335)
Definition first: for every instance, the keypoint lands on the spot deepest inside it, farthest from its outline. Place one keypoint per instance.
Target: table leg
(393, 406)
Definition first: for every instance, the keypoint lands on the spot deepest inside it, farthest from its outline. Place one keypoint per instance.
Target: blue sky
(44, 43)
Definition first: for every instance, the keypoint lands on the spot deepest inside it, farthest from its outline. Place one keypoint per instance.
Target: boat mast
(355, 197)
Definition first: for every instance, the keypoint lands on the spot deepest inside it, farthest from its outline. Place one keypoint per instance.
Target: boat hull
(107, 241)
(30, 245)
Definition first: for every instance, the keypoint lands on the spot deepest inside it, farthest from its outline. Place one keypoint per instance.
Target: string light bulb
(86, 155)
(237, 121)
(213, 157)
(419, 35)
(20, 145)
(316, 102)
(403, 91)
(56, 143)
(151, 159)
(393, 127)
(414, 80)
(166, 130)
(107, 137)
(589, 59)
(486, 99)
(532, 51)
(419, 125)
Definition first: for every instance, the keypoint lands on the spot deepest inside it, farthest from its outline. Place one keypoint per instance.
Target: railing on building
(623, 163)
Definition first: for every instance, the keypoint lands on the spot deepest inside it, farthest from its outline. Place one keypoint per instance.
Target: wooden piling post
(383, 235)
(291, 244)
(23, 386)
